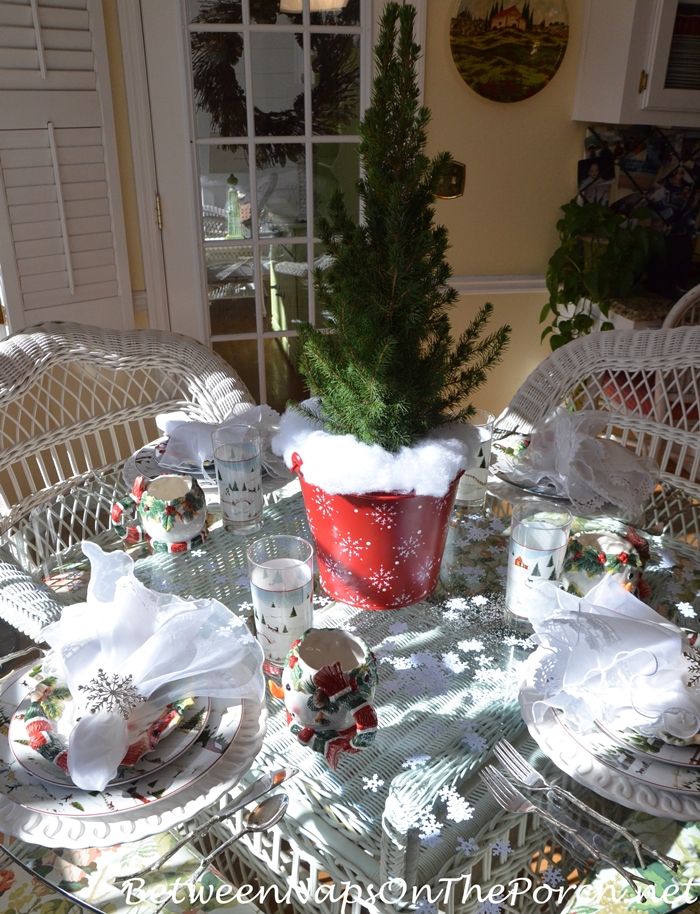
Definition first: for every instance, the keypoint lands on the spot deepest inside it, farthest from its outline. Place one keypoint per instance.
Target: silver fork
(523, 772)
(512, 800)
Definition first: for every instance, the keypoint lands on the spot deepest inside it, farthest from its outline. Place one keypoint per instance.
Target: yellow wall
(520, 168)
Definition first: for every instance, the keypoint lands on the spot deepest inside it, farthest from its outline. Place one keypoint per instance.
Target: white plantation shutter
(62, 242)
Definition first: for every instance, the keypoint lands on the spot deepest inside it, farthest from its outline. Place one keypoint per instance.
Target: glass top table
(410, 809)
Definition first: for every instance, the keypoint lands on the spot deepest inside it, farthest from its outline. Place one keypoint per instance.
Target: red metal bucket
(377, 551)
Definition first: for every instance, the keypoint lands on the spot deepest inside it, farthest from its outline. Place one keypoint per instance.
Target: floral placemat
(88, 873)
(606, 892)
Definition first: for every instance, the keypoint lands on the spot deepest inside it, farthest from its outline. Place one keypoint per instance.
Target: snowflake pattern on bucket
(323, 503)
(352, 547)
(384, 516)
(382, 579)
(409, 547)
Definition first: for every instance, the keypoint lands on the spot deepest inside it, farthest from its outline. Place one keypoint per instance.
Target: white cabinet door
(637, 65)
(62, 239)
(673, 82)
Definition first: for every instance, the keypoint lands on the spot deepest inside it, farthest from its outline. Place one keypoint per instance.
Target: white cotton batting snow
(342, 465)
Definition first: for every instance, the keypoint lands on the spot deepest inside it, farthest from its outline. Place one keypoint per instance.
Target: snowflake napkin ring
(117, 694)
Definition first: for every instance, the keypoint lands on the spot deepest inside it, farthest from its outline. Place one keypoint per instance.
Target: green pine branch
(387, 368)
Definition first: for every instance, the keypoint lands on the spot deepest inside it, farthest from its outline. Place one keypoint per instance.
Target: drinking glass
(281, 581)
(538, 537)
(471, 491)
(238, 474)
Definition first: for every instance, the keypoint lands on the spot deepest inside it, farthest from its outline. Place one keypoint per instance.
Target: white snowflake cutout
(501, 848)
(470, 644)
(458, 809)
(398, 628)
(552, 876)
(686, 609)
(416, 761)
(373, 783)
(466, 846)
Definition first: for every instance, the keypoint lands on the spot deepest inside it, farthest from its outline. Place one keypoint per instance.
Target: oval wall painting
(509, 51)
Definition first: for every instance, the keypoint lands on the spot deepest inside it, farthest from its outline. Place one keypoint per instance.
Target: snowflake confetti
(117, 694)
(415, 761)
(552, 876)
(466, 846)
(429, 828)
(457, 603)
(479, 600)
(373, 783)
(475, 742)
(426, 907)
(398, 628)
(472, 644)
(452, 662)
(489, 907)
(458, 810)
(501, 848)
(686, 609)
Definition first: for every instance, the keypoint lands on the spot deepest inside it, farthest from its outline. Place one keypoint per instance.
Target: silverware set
(515, 801)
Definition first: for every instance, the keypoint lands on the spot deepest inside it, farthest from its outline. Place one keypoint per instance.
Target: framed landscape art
(508, 53)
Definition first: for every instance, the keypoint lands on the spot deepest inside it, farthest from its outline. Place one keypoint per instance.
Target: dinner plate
(655, 749)
(56, 816)
(612, 753)
(169, 748)
(575, 756)
(146, 462)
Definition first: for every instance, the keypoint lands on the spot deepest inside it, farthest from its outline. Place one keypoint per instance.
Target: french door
(255, 106)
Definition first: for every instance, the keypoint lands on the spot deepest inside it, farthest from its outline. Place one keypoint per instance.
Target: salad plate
(654, 749)
(66, 816)
(171, 745)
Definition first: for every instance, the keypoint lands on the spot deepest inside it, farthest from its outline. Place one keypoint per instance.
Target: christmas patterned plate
(55, 816)
(677, 798)
(654, 749)
(170, 746)
(146, 462)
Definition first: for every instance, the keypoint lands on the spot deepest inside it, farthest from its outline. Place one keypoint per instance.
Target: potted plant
(602, 257)
(380, 450)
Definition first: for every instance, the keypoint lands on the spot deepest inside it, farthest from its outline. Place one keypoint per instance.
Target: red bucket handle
(296, 464)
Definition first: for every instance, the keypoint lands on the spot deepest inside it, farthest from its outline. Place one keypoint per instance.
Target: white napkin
(190, 444)
(609, 657)
(171, 647)
(566, 454)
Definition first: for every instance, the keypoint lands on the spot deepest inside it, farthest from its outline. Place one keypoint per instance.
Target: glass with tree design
(538, 538)
(471, 491)
(281, 582)
(239, 477)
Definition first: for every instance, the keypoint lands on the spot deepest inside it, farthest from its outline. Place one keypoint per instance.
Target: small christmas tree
(390, 371)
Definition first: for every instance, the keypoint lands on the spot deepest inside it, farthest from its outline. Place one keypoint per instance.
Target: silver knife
(257, 789)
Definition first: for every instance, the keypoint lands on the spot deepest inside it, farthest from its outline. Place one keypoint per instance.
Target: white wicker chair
(650, 380)
(75, 402)
(686, 311)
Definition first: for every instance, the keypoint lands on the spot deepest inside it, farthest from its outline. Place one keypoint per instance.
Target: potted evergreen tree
(380, 450)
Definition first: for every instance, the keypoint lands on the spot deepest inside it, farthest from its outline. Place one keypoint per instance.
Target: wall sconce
(451, 184)
(295, 6)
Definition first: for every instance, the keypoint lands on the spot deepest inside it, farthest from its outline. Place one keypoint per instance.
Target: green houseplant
(389, 373)
(601, 258)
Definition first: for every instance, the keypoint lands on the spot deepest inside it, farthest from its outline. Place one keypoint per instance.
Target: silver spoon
(262, 818)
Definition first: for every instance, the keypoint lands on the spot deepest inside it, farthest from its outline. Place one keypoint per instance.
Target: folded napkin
(170, 648)
(566, 455)
(609, 657)
(189, 444)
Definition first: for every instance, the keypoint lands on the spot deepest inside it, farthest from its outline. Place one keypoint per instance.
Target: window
(254, 112)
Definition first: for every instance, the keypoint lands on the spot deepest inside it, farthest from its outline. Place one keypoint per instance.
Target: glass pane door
(278, 87)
